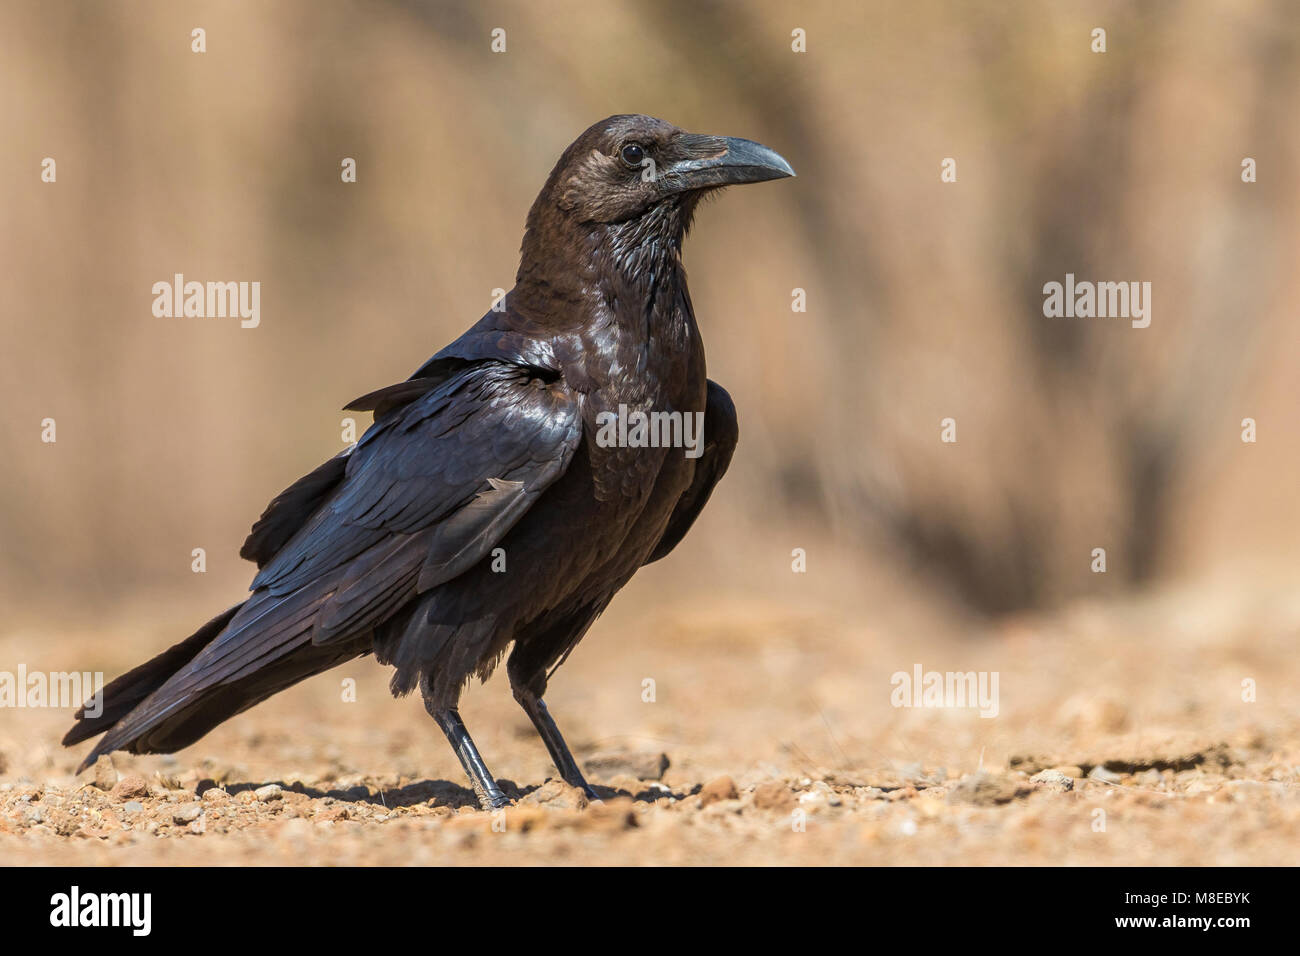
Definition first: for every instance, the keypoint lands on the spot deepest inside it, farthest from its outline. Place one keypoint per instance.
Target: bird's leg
(535, 708)
(489, 794)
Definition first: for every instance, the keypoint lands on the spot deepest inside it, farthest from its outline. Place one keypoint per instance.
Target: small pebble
(186, 812)
(722, 788)
(130, 787)
(1052, 780)
(1103, 775)
(105, 774)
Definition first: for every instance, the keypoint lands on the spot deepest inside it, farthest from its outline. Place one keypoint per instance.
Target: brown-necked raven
(491, 453)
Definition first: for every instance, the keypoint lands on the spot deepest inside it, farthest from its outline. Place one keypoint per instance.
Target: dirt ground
(1122, 737)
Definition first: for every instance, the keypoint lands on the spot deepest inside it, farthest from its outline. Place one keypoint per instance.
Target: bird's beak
(724, 161)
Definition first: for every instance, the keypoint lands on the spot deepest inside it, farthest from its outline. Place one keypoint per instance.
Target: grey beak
(734, 161)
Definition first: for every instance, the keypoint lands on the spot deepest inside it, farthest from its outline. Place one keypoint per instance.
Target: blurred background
(924, 298)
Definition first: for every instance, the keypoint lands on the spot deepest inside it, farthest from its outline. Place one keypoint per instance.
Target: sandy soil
(1122, 737)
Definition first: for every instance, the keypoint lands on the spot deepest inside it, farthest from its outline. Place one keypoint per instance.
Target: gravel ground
(1121, 738)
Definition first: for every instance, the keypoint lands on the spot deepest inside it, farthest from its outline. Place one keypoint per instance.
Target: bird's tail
(121, 696)
(160, 708)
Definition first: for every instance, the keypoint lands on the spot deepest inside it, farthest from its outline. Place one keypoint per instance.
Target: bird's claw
(588, 791)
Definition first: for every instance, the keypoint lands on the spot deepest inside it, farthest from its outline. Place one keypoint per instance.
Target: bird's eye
(633, 154)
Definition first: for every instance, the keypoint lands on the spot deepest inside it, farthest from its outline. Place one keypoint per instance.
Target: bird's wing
(721, 432)
(427, 492)
(290, 509)
(293, 507)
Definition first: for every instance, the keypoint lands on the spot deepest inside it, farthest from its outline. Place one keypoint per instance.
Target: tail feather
(193, 716)
(176, 698)
(121, 696)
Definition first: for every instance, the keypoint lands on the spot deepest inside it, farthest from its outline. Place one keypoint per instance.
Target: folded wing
(425, 494)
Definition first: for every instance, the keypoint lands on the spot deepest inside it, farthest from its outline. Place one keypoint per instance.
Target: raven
(490, 455)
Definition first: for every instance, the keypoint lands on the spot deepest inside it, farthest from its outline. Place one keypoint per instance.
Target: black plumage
(388, 547)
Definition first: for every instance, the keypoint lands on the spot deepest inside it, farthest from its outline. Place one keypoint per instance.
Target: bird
(484, 511)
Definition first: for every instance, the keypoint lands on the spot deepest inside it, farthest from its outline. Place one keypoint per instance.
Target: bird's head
(619, 202)
(626, 166)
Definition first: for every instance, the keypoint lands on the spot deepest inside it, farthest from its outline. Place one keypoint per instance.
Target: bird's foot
(492, 800)
(587, 789)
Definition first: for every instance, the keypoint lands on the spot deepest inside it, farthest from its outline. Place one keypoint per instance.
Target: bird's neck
(631, 270)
